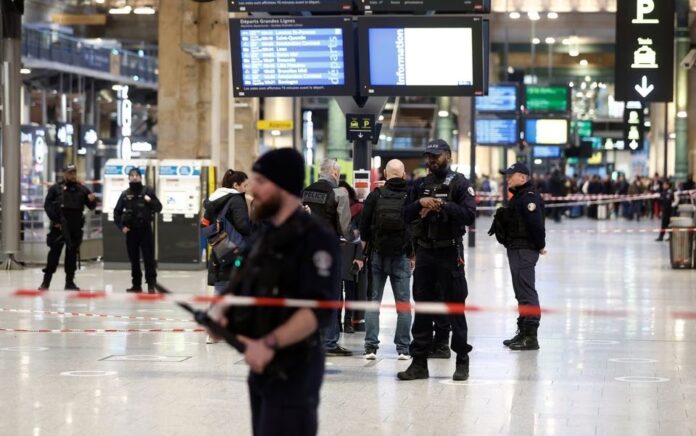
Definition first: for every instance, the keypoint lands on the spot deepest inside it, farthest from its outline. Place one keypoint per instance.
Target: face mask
(135, 185)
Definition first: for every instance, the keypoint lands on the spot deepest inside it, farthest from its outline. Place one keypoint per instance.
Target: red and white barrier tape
(91, 315)
(196, 330)
(432, 308)
(610, 231)
(578, 197)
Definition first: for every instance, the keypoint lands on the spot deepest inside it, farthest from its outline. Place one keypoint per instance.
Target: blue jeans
(220, 287)
(398, 270)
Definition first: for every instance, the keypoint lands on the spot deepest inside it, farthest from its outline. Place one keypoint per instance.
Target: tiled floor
(594, 375)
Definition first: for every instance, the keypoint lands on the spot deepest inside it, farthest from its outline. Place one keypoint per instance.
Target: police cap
(69, 168)
(437, 147)
(516, 168)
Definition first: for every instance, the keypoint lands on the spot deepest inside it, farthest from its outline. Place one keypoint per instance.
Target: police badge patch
(531, 207)
(471, 191)
(323, 261)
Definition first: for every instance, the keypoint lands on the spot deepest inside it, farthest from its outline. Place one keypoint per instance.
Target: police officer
(331, 205)
(133, 215)
(669, 202)
(64, 205)
(293, 255)
(520, 228)
(438, 209)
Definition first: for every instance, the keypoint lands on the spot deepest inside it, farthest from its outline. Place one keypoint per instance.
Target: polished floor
(600, 370)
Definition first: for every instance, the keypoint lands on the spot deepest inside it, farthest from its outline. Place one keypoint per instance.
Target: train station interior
(593, 97)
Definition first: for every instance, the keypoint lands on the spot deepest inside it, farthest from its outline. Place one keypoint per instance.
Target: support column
(11, 85)
(683, 45)
(337, 145)
(445, 124)
(278, 109)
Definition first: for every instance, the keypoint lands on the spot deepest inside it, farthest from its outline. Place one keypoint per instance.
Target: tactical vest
(135, 210)
(72, 197)
(264, 271)
(321, 200)
(437, 230)
(509, 226)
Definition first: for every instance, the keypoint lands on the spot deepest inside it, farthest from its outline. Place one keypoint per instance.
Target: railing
(53, 46)
(34, 224)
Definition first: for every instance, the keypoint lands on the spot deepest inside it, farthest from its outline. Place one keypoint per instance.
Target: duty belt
(438, 244)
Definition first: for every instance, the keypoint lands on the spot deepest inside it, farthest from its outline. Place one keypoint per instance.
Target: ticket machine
(115, 182)
(181, 187)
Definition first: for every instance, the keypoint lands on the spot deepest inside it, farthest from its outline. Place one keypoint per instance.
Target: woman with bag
(226, 225)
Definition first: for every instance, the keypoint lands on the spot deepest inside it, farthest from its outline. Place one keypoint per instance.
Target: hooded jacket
(237, 213)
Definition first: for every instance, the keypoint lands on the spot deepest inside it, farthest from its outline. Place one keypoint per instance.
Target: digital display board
(546, 131)
(547, 98)
(500, 98)
(431, 56)
(292, 56)
(497, 131)
(583, 128)
(290, 5)
(547, 152)
(479, 6)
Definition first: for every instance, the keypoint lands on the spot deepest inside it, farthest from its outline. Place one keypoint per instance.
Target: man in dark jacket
(438, 208)
(557, 189)
(520, 228)
(133, 215)
(383, 229)
(64, 205)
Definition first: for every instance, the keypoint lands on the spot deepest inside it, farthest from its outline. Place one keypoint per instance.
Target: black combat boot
(70, 283)
(418, 370)
(440, 351)
(515, 338)
(46, 283)
(135, 288)
(461, 373)
(527, 341)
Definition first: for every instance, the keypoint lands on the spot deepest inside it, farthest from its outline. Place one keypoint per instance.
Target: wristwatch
(271, 342)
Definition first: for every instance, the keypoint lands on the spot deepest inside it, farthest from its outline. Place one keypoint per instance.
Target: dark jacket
(53, 205)
(461, 209)
(237, 215)
(154, 205)
(367, 217)
(528, 204)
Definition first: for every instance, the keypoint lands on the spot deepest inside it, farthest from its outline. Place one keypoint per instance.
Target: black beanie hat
(284, 167)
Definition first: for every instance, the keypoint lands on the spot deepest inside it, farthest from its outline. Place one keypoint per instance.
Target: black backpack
(388, 228)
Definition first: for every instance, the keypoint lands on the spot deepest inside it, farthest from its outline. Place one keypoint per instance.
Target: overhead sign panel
(634, 128)
(497, 131)
(645, 50)
(409, 56)
(478, 6)
(273, 57)
(290, 5)
(500, 98)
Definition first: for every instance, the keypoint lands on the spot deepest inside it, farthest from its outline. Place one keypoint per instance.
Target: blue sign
(497, 132)
(500, 98)
(548, 152)
(113, 170)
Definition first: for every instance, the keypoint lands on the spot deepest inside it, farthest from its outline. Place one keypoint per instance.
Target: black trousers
(141, 239)
(288, 407)
(439, 274)
(71, 238)
(522, 263)
(666, 216)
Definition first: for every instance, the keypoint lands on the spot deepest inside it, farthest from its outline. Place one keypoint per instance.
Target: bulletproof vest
(515, 227)
(437, 227)
(72, 197)
(135, 213)
(321, 200)
(265, 270)
(388, 227)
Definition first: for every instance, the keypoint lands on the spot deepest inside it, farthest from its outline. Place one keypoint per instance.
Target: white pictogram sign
(644, 89)
(643, 8)
(645, 57)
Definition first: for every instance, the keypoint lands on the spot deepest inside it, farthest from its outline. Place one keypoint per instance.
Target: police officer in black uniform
(293, 255)
(668, 202)
(439, 207)
(133, 215)
(64, 205)
(520, 228)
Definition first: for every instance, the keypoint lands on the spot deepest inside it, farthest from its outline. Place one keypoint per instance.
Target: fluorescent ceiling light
(583, 62)
(536, 41)
(552, 15)
(125, 10)
(144, 10)
(574, 52)
(443, 114)
(533, 15)
(682, 114)
(515, 15)
(550, 40)
(25, 71)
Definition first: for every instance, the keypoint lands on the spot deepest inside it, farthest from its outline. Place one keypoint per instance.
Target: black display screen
(292, 56)
(479, 6)
(290, 5)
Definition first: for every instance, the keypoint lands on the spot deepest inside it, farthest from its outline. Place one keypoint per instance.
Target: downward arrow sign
(644, 90)
(633, 145)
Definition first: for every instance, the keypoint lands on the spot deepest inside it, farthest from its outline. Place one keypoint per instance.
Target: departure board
(292, 56)
(290, 5)
(478, 6)
(500, 98)
(546, 131)
(547, 98)
(497, 132)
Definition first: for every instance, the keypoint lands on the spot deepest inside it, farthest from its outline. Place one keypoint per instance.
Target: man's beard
(267, 209)
(439, 169)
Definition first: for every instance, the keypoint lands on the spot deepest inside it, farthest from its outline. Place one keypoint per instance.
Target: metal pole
(472, 169)
(666, 137)
(10, 175)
